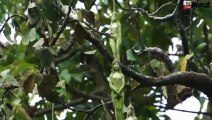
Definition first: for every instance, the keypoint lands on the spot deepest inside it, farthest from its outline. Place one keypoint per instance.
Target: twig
(75, 102)
(64, 24)
(68, 55)
(153, 13)
(22, 17)
(174, 54)
(71, 108)
(92, 111)
(102, 33)
(150, 16)
(188, 111)
(89, 111)
(87, 96)
(181, 30)
(7, 89)
(58, 107)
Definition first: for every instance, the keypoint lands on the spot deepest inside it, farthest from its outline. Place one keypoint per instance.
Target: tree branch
(199, 81)
(10, 17)
(162, 56)
(195, 80)
(152, 17)
(66, 56)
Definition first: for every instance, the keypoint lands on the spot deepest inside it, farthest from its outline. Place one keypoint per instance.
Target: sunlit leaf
(90, 52)
(39, 43)
(184, 62)
(65, 75)
(130, 55)
(32, 35)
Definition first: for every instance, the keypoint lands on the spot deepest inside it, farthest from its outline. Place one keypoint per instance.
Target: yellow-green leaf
(184, 62)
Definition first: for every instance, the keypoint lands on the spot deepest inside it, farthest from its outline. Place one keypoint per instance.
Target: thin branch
(166, 17)
(188, 111)
(100, 47)
(181, 30)
(62, 28)
(68, 55)
(87, 96)
(101, 33)
(152, 17)
(168, 3)
(58, 107)
(93, 110)
(174, 54)
(89, 112)
(10, 17)
(75, 102)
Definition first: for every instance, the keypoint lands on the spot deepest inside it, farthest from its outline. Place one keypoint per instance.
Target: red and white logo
(187, 4)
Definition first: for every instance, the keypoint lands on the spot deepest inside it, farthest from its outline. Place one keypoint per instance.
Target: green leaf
(77, 76)
(39, 43)
(46, 57)
(130, 55)
(65, 75)
(7, 32)
(7, 80)
(32, 35)
(80, 15)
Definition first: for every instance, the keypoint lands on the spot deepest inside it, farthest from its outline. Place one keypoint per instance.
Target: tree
(66, 54)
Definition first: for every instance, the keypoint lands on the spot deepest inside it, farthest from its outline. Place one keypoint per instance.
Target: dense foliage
(59, 50)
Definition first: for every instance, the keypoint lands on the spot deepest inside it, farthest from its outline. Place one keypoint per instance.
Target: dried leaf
(29, 84)
(89, 16)
(80, 33)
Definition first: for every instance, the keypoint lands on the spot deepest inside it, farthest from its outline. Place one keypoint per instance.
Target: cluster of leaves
(58, 71)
